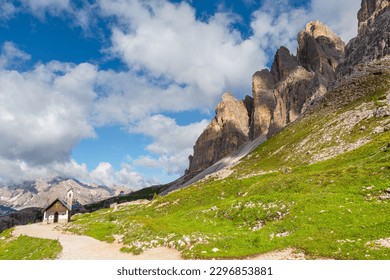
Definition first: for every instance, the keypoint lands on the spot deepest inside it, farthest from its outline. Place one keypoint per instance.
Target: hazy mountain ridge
(41, 192)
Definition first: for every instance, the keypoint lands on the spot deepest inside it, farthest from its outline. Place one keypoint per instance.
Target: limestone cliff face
(282, 94)
(226, 132)
(373, 40)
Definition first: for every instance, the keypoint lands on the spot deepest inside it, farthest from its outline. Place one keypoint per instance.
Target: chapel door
(56, 217)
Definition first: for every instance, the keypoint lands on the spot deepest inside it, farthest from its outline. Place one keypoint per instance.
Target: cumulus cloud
(276, 24)
(78, 13)
(125, 97)
(16, 171)
(170, 142)
(47, 111)
(11, 56)
(105, 174)
(40, 8)
(44, 112)
(166, 41)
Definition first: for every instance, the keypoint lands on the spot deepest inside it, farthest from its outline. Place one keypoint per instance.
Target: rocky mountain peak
(282, 94)
(373, 40)
(232, 111)
(317, 29)
(228, 97)
(227, 131)
(319, 49)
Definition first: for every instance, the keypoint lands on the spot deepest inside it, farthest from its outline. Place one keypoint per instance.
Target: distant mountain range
(42, 191)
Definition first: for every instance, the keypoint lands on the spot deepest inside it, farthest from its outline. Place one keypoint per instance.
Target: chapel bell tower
(70, 198)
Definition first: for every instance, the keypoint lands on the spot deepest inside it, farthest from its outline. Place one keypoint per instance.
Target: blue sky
(117, 91)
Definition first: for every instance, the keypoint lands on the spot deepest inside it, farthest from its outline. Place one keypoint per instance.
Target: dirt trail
(78, 247)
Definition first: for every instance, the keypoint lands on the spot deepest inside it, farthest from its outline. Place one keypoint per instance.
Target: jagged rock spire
(282, 94)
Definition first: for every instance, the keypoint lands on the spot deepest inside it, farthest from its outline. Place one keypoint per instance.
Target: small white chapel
(59, 211)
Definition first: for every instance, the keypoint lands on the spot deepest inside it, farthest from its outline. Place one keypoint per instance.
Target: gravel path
(78, 247)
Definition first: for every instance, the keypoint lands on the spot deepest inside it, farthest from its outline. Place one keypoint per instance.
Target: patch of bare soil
(78, 247)
(286, 254)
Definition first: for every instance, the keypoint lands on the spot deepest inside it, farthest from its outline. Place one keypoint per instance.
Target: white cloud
(167, 135)
(105, 174)
(173, 164)
(170, 142)
(44, 112)
(76, 13)
(11, 55)
(127, 98)
(166, 41)
(276, 25)
(128, 177)
(39, 8)
(7, 9)
(16, 171)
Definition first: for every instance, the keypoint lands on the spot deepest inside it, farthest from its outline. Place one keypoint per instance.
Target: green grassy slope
(27, 248)
(318, 186)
